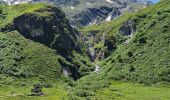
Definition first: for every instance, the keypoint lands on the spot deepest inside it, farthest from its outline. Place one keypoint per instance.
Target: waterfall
(97, 68)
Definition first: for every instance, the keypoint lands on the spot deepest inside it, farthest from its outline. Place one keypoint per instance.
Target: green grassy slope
(8, 13)
(37, 19)
(143, 59)
(25, 62)
(21, 59)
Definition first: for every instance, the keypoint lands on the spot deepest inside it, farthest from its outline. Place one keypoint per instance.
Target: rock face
(53, 31)
(87, 12)
(127, 28)
(53, 47)
(95, 16)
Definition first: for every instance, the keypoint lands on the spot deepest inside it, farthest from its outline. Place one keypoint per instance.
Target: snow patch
(17, 2)
(14, 2)
(72, 7)
(109, 18)
(93, 22)
(110, 1)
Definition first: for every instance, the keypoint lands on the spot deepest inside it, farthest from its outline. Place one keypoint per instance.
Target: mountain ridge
(86, 12)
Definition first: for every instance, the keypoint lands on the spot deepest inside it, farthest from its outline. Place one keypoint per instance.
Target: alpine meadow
(84, 50)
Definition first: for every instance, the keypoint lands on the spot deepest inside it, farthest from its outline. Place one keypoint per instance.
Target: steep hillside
(44, 24)
(143, 53)
(38, 36)
(24, 59)
(136, 41)
(136, 49)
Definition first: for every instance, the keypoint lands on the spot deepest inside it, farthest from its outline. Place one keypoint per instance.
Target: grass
(27, 56)
(13, 11)
(116, 90)
(57, 92)
(98, 87)
(145, 58)
(22, 58)
(132, 91)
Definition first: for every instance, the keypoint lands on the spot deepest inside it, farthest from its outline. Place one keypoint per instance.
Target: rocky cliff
(48, 26)
(53, 31)
(87, 12)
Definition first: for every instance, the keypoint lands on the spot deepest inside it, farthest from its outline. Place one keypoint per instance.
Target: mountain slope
(86, 12)
(46, 44)
(144, 55)
(38, 46)
(138, 40)
(22, 58)
(138, 47)
(47, 26)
